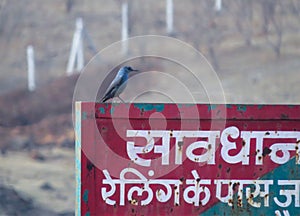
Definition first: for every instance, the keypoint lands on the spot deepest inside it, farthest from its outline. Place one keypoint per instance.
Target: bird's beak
(135, 70)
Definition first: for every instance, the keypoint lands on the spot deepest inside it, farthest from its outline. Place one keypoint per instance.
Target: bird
(118, 84)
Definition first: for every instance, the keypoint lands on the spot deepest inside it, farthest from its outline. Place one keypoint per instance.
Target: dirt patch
(10, 199)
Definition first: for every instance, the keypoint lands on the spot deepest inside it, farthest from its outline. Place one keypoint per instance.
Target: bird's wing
(117, 81)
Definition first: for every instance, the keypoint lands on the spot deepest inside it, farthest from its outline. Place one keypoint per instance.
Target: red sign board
(182, 159)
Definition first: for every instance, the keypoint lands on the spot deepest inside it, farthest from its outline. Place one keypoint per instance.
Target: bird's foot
(121, 99)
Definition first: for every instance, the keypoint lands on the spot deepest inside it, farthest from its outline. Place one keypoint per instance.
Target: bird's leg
(121, 99)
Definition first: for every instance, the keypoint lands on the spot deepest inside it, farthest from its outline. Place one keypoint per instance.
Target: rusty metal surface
(180, 159)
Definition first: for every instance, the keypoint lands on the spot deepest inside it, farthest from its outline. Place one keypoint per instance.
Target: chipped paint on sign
(112, 108)
(211, 107)
(260, 106)
(150, 107)
(84, 115)
(229, 106)
(242, 108)
(86, 196)
(102, 110)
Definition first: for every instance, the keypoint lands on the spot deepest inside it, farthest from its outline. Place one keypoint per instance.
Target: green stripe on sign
(289, 171)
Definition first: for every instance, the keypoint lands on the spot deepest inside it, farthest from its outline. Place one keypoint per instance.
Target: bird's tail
(104, 99)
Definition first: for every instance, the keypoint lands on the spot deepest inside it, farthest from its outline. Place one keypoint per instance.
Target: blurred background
(253, 45)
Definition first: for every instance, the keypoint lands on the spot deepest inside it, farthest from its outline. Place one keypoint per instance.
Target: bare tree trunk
(243, 19)
(295, 7)
(69, 5)
(278, 41)
(214, 39)
(130, 16)
(213, 57)
(249, 18)
(271, 19)
(268, 11)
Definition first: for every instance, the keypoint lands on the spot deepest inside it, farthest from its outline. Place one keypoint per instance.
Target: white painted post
(218, 5)
(169, 16)
(91, 45)
(80, 57)
(76, 53)
(30, 68)
(124, 28)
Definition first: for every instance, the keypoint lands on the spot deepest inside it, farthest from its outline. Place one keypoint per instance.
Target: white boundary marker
(169, 16)
(30, 68)
(218, 5)
(76, 53)
(124, 28)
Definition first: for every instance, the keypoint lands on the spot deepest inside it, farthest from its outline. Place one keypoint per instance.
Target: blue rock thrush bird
(118, 85)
